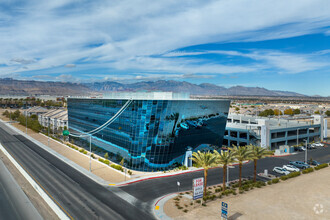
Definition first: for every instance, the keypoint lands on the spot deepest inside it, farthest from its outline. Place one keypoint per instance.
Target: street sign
(66, 133)
(198, 188)
(224, 210)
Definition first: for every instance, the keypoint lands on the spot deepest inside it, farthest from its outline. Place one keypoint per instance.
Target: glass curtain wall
(151, 135)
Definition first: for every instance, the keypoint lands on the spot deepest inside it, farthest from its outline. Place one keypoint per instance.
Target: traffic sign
(198, 188)
(66, 133)
(224, 210)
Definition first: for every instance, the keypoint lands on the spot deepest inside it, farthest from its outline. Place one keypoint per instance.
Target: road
(14, 204)
(156, 188)
(79, 196)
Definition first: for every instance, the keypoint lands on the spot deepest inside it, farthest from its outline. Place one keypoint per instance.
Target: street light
(305, 150)
(26, 123)
(48, 132)
(227, 184)
(298, 136)
(90, 153)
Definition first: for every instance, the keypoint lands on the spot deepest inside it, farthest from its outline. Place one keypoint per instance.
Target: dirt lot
(303, 197)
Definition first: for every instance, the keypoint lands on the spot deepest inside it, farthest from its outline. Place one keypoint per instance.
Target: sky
(278, 45)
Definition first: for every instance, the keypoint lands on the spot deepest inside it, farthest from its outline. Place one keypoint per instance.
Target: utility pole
(48, 132)
(26, 123)
(306, 151)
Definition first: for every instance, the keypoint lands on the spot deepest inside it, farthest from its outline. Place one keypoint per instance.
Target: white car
(290, 168)
(319, 144)
(280, 170)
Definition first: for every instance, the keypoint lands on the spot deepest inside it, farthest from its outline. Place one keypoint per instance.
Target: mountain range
(10, 86)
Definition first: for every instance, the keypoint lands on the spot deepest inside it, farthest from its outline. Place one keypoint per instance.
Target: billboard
(198, 187)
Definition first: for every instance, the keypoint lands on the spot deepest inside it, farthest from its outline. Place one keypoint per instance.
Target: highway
(77, 195)
(156, 188)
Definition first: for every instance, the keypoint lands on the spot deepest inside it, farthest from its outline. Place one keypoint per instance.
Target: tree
(267, 112)
(241, 153)
(317, 112)
(258, 153)
(288, 111)
(327, 113)
(175, 117)
(277, 112)
(296, 111)
(205, 160)
(224, 158)
(106, 155)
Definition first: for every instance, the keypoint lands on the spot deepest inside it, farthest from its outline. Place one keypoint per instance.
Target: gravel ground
(303, 197)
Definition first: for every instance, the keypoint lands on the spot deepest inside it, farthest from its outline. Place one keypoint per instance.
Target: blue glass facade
(151, 134)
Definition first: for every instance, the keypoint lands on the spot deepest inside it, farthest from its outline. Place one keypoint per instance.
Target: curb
(44, 195)
(169, 175)
(127, 175)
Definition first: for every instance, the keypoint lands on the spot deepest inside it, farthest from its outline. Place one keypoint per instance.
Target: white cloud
(126, 35)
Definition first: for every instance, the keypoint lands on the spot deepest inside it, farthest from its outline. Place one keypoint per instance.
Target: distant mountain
(10, 86)
(193, 89)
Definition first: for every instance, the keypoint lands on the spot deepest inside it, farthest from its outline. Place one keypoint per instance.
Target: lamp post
(90, 153)
(305, 150)
(26, 123)
(227, 184)
(48, 132)
(298, 137)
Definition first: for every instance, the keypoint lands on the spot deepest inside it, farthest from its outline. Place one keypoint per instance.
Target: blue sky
(278, 45)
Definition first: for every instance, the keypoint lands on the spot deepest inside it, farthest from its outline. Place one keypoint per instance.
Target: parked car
(313, 162)
(301, 148)
(319, 144)
(299, 164)
(184, 126)
(311, 147)
(290, 168)
(280, 170)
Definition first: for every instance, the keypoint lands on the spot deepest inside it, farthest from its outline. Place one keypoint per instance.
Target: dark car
(313, 162)
(299, 164)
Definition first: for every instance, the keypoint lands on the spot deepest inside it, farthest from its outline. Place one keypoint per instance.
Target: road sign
(66, 133)
(198, 188)
(224, 210)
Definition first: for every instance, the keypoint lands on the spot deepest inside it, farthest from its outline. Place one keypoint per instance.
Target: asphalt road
(149, 190)
(77, 194)
(14, 204)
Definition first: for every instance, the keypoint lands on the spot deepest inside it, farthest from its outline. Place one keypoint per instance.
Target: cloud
(23, 61)
(70, 65)
(127, 35)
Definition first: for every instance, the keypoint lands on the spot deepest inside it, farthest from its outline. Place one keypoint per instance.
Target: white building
(56, 119)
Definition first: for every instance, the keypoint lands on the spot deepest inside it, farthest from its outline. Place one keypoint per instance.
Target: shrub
(276, 180)
(85, 152)
(234, 193)
(106, 156)
(204, 204)
(106, 162)
(198, 201)
(81, 150)
(101, 160)
(284, 178)
(308, 170)
(185, 210)
(269, 182)
(321, 166)
(129, 172)
(117, 167)
(293, 174)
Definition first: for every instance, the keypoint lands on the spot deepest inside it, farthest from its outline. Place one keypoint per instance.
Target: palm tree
(205, 160)
(241, 153)
(224, 158)
(257, 153)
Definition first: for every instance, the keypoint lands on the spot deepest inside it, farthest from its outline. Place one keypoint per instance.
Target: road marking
(112, 184)
(36, 181)
(157, 207)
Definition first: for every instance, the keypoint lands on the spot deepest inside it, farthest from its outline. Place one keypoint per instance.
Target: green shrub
(81, 150)
(284, 178)
(276, 180)
(101, 160)
(117, 167)
(198, 201)
(129, 172)
(185, 210)
(293, 174)
(106, 162)
(308, 170)
(269, 182)
(321, 166)
(85, 152)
